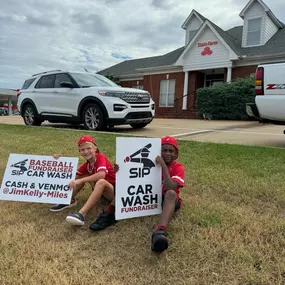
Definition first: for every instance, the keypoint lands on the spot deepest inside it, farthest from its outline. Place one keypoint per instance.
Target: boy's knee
(170, 195)
(101, 183)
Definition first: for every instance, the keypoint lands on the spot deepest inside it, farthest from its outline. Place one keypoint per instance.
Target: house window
(191, 35)
(167, 93)
(254, 32)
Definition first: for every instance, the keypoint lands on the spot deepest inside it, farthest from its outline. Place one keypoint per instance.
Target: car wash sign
(35, 178)
(138, 181)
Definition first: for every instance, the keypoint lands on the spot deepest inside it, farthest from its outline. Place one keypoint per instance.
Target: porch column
(9, 105)
(185, 91)
(229, 74)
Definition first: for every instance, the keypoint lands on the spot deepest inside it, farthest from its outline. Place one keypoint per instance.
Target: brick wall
(131, 83)
(243, 71)
(192, 82)
(152, 85)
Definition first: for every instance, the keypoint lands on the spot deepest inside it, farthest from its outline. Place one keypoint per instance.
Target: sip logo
(275, 86)
(21, 165)
(141, 157)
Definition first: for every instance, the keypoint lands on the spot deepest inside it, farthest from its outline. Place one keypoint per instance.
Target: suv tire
(92, 117)
(138, 126)
(30, 116)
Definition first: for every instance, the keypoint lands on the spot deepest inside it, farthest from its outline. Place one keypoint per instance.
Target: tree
(112, 78)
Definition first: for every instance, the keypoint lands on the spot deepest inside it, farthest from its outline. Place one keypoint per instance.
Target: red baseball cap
(169, 140)
(86, 139)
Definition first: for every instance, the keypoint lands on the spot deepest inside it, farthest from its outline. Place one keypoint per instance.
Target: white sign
(36, 178)
(138, 181)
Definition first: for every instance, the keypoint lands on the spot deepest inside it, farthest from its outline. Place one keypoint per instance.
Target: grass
(230, 230)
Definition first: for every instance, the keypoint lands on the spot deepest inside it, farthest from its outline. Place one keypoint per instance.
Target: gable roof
(232, 42)
(198, 15)
(128, 67)
(275, 46)
(233, 38)
(266, 9)
(221, 35)
(167, 59)
(131, 67)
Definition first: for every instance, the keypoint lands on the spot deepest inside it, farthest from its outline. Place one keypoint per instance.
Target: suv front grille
(136, 98)
(139, 115)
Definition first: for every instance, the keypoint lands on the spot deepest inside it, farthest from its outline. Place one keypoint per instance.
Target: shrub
(112, 78)
(226, 101)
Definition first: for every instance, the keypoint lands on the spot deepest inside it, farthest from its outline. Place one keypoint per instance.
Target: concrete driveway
(232, 132)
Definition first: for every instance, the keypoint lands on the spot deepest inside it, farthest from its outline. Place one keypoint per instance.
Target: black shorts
(177, 206)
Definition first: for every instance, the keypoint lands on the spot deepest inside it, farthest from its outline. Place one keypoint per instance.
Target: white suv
(81, 97)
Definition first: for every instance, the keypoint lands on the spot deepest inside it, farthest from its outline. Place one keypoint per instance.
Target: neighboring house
(8, 98)
(210, 55)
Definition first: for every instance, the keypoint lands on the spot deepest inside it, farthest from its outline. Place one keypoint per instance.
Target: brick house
(210, 55)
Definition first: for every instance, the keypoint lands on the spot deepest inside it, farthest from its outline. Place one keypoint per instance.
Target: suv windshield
(94, 80)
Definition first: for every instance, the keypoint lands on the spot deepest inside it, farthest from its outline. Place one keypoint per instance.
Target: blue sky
(36, 36)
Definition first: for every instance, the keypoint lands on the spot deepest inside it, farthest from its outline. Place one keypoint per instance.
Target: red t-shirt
(102, 164)
(176, 172)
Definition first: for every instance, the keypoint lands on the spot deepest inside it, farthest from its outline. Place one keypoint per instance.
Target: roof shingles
(233, 37)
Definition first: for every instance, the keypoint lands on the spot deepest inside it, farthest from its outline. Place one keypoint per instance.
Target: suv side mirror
(66, 84)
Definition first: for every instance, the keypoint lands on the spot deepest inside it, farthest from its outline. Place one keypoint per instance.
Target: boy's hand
(116, 167)
(57, 156)
(159, 160)
(72, 184)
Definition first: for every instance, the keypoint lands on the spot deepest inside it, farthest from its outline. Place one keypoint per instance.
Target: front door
(212, 79)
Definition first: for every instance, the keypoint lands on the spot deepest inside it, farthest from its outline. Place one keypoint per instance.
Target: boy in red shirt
(99, 172)
(172, 182)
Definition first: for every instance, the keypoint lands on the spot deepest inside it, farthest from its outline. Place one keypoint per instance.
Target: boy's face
(87, 150)
(169, 153)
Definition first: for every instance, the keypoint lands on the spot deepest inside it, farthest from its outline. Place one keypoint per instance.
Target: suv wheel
(30, 116)
(93, 117)
(138, 126)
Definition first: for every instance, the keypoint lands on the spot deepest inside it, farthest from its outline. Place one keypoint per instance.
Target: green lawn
(231, 229)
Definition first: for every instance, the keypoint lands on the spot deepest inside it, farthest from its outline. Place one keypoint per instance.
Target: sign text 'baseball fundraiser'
(36, 178)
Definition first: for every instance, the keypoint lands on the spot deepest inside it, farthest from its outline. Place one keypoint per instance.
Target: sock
(110, 209)
(160, 227)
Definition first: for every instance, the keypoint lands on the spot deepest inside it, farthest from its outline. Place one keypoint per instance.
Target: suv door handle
(54, 91)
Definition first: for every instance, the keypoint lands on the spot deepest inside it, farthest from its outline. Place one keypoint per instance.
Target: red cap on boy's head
(169, 140)
(86, 139)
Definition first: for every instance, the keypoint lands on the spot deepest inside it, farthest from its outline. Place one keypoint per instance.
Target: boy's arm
(169, 184)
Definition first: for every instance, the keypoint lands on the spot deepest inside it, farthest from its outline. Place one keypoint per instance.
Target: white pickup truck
(269, 106)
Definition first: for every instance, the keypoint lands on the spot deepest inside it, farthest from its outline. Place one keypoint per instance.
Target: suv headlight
(112, 94)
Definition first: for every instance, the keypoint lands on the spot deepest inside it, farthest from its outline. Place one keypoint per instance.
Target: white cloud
(72, 34)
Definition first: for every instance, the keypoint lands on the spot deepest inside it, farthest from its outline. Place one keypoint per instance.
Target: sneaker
(60, 207)
(159, 241)
(75, 219)
(104, 220)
